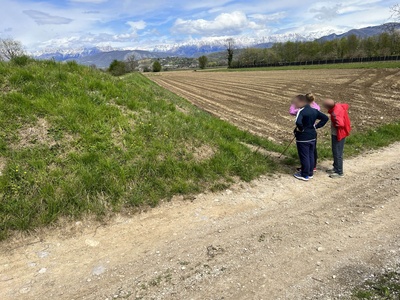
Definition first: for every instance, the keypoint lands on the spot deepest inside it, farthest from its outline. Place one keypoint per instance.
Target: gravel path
(274, 238)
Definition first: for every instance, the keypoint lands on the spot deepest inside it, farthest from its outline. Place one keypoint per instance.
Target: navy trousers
(337, 151)
(306, 152)
(316, 155)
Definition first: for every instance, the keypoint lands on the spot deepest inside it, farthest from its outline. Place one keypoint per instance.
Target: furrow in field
(244, 121)
(267, 90)
(258, 101)
(273, 92)
(243, 106)
(240, 96)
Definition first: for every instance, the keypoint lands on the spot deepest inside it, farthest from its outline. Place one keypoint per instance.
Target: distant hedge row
(238, 65)
(383, 47)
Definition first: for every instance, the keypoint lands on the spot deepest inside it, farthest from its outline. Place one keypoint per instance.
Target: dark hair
(310, 97)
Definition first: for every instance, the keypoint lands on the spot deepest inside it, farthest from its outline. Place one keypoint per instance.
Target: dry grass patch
(2, 165)
(117, 136)
(202, 153)
(183, 110)
(30, 136)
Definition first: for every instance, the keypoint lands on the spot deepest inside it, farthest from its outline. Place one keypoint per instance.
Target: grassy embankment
(366, 65)
(76, 140)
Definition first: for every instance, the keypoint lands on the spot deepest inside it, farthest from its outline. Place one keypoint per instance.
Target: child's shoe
(336, 176)
(299, 177)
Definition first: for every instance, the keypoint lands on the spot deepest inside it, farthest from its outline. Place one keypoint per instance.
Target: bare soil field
(275, 238)
(258, 100)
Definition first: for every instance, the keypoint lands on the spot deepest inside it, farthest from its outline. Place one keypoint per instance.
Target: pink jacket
(293, 110)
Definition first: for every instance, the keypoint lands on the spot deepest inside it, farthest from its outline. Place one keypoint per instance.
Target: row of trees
(119, 68)
(230, 46)
(385, 44)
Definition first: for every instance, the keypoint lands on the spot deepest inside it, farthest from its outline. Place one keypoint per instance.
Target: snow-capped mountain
(102, 56)
(363, 32)
(190, 48)
(104, 59)
(64, 54)
(196, 47)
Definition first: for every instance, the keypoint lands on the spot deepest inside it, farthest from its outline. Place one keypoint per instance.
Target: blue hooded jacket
(306, 123)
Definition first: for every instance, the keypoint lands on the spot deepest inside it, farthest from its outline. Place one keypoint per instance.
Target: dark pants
(337, 151)
(306, 154)
(315, 155)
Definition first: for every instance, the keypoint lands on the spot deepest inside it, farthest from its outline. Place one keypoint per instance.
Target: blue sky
(143, 24)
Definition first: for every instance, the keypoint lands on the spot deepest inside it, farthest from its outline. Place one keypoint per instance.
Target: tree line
(385, 44)
(118, 68)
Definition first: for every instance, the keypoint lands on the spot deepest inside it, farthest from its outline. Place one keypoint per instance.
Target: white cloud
(326, 12)
(190, 5)
(121, 23)
(224, 24)
(89, 1)
(268, 18)
(42, 18)
(135, 26)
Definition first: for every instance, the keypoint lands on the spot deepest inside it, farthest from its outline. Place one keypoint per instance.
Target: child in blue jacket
(306, 135)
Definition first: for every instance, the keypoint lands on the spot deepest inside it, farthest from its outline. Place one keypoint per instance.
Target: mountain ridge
(102, 57)
(362, 32)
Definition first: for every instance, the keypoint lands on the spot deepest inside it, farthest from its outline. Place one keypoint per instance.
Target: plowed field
(259, 101)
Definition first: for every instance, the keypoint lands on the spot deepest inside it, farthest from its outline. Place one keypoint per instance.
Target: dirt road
(275, 238)
(258, 100)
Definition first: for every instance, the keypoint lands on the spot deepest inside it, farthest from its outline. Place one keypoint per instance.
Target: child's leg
(315, 155)
(340, 149)
(303, 150)
(312, 147)
(335, 152)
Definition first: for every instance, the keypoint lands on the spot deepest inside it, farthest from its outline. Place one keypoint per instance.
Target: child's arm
(323, 120)
(338, 117)
(299, 122)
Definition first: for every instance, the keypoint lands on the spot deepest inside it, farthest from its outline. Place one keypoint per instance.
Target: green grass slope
(75, 140)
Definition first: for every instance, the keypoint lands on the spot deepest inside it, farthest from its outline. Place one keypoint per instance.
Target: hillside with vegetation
(75, 140)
